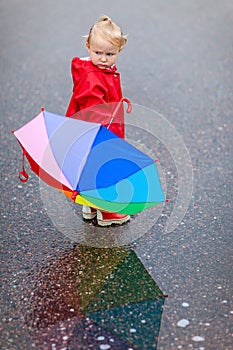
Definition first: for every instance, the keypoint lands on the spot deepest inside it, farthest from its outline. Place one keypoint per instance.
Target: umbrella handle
(128, 110)
(129, 107)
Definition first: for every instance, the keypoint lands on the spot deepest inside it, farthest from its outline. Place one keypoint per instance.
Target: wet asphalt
(151, 289)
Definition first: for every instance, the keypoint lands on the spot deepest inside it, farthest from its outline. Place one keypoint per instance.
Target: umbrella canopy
(90, 164)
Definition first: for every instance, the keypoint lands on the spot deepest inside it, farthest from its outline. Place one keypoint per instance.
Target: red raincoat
(94, 87)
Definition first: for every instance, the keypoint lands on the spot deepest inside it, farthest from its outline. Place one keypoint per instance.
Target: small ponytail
(105, 18)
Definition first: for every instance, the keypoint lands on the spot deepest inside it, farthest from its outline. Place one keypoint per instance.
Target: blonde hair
(108, 30)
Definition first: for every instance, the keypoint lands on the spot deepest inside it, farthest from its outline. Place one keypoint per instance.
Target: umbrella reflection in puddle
(95, 297)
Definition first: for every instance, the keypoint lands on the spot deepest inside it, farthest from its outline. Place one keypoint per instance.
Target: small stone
(184, 304)
(101, 337)
(183, 323)
(198, 338)
(132, 330)
(105, 346)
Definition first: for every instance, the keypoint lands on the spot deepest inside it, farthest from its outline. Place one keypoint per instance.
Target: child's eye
(110, 54)
(97, 52)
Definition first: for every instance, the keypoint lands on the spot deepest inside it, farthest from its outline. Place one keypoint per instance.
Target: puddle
(102, 298)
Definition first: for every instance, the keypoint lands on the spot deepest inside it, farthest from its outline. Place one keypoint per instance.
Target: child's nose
(103, 58)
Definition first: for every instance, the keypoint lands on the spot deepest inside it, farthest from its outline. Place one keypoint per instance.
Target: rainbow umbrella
(89, 164)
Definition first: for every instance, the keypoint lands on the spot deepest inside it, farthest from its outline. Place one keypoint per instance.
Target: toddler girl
(97, 81)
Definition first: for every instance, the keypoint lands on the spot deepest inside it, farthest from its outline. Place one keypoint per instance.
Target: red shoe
(89, 213)
(105, 218)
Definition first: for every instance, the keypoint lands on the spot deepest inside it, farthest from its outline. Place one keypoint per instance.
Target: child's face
(102, 53)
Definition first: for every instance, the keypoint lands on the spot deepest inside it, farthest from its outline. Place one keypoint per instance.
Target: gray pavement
(178, 62)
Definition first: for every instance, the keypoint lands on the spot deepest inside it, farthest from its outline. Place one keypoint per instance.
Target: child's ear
(87, 45)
